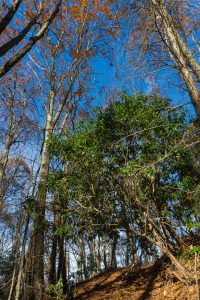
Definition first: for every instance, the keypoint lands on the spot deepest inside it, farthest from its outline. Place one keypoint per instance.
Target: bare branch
(32, 41)
(8, 17)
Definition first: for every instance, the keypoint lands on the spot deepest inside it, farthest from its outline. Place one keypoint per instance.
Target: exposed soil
(154, 282)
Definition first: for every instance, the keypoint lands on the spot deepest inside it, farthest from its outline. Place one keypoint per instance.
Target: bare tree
(16, 124)
(164, 33)
(62, 89)
(18, 38)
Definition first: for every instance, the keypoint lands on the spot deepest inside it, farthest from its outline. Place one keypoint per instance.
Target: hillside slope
(154, 282)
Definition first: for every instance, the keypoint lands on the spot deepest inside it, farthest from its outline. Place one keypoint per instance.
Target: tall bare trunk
(113, 247)
(83, 256)
(37, 241)
(62, 273)
(4, 161)
(52, 269)
(131, 250)
(105, 254)
(68, 262)
(185, 63)
(22, 260)
(15, 256)
(93, 267)
(98, 255)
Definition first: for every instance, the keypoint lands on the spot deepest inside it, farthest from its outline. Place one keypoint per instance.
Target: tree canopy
(130, 165)
(99, 141)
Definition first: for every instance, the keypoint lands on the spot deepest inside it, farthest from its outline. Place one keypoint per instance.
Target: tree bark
(104, 254)
(113, 247)
(4, 161)
(32, 41)
(93, 267)
(39, 222)
(52, 269)
(185, 63)
(15, 256)
(62, 274)
(22, 260)
(36, 248)
(10, 14)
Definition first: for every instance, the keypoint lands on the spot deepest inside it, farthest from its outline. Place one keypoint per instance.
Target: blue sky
(121, 75)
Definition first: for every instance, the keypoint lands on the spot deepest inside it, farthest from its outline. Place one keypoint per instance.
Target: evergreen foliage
(132, 166)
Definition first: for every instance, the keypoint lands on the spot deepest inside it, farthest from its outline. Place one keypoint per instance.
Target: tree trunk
(166, 249)
(37, 241)
(104, 254)
(61, 273)
(83, 257)
(180, 53)
(22, 260)
(93, 267)
(52, 269)
(4, 161)
(98, 256)
(68, 263)
(113, 247)
(15, 256)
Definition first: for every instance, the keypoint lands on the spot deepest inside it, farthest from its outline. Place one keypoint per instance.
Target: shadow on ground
(139, 280)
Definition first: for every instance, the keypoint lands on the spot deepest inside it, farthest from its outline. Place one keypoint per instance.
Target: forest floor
(153, 282)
